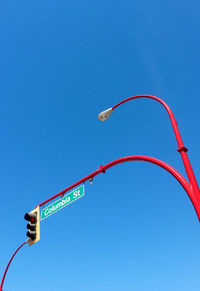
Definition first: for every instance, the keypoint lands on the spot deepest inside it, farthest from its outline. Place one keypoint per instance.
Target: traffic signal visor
(33, 226)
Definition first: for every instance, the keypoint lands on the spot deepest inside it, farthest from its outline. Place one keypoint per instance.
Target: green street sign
(62, 202)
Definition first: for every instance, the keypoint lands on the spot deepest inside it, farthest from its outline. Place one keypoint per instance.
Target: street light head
(105, 114)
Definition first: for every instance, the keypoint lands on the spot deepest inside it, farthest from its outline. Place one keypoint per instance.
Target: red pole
(181, 148)
(4, 275)
(191, 188)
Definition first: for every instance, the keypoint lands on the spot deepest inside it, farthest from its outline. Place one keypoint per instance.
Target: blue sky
(62, 62)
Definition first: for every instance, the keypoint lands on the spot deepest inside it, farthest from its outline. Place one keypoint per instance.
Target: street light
(104, 115)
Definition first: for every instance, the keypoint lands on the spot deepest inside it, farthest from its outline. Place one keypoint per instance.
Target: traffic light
(33, 226)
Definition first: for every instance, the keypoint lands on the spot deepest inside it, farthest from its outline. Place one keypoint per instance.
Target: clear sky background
(62, 62)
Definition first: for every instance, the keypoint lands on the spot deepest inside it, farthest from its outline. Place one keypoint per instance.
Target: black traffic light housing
(33, 226)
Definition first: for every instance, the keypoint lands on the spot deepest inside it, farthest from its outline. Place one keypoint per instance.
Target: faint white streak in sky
(148, 56)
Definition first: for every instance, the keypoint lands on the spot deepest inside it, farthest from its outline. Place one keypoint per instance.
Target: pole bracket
(182, 149)
(101, 169)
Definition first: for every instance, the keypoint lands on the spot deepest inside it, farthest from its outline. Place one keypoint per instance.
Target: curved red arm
(155, 161)
(181, 148)
(171, 115)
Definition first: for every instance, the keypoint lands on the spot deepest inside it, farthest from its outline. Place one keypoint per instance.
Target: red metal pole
(191, 188)
(181, 148)
(155, 161)
(4, 275)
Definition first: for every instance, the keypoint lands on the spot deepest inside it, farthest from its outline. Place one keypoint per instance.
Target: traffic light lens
(31, 226)
(30, 217)
(31, 234)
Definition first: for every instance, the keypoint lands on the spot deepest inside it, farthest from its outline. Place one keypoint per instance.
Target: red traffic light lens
(30, 217)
